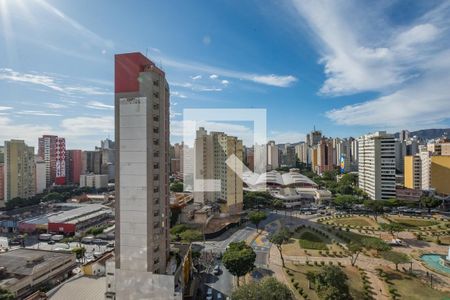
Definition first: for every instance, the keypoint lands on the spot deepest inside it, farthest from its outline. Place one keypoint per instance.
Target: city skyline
(60, 80)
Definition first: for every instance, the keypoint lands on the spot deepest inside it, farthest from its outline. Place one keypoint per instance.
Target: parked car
(209, 294)
(216, 270)
(99, 242)
(51, 242)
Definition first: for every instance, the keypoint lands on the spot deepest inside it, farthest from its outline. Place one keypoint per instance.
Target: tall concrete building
(273, 156)
(52, 149)
(40, 175)
(288, 157)
(425, 165)
(176, 158)
(301, 150)
(211, 153)
(108, 158)
(73, 166)
(142, 180)
(2, 177)
(325, 156)
(91, 162)
(412, 172)
(376, 165)
(19, 170)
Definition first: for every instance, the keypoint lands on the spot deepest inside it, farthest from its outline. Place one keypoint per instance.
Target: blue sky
(347, 67)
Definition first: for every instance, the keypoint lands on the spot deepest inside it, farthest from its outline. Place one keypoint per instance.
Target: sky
(345, 67)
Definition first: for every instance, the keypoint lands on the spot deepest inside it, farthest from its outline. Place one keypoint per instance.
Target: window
(155, 189)
(155, 177)
(156, 94)
(156, 106)
(156, 142)
(156, 165)
(156, 130)
(156, 118)
(156, 82)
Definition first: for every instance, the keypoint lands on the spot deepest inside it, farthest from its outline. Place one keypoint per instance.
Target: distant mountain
(428, 134)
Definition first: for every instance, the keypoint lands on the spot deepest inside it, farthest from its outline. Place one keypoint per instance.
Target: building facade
(40, 175)
(376, 165)
(19, 170)
(51, 149)
(412, 172)
(73, 166)
(440, 174)
(91, 162)
(142, 179)
(211, 153)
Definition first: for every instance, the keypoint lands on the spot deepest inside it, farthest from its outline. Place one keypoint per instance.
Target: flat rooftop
(81, 288)
(24, 262)
(76, 213)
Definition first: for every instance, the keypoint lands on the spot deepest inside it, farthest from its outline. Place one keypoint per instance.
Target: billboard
(342, 163)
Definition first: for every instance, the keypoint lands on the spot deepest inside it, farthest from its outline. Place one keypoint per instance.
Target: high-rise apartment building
(273, 155)
(108, 158)
(440, 174)
(301, 150)
(51, 149)
(91, 162)
(142, 180)
(40, 175)
(325, 156)
(288, 156)
(73, 166)
(376, 165)
(211, 153)
(425, 165)
(413, 172)
(2, 177)
(176, 159)
(19, 170)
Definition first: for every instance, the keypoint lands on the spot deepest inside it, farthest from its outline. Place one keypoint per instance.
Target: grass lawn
(310, 240)
(356, 221)
(299, 273)
(413, 222)
(412, 288)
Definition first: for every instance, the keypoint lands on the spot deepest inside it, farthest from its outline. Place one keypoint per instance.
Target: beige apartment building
(218, 182)
(19, 170)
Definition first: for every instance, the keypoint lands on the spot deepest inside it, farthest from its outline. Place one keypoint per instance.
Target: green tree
(376, 206)
(239, 259)
(355, 249)
(278, 239)
(79, 252)
(277, 203)
(257, 217)
(331, 283)
(53, 196)
(392, 228)
(345, 201)
(177, 187)
(6, 295)
(395, 257)
(267, 289)
(191, 235)
(430, 202)
(375, 244)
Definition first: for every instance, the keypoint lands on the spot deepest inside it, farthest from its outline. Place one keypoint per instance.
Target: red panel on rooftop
(127, 69)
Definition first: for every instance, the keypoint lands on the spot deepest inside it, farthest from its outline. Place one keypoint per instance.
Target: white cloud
(270, 79)
(196, 77)
(22, 131)
(38, 113)
(87, 126)
(99, 105)
(407, 64)
(56, 105)
(358, 58)
(5, 108)
(225, 82)
(51, 82)
(178, 94)
(274, 80)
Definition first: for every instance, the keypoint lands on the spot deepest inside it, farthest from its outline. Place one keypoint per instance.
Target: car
(209, 295)
(219, 296)
(51, 242)
(216, 270)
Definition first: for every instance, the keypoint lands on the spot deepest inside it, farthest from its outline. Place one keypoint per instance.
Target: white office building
(376, 165)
